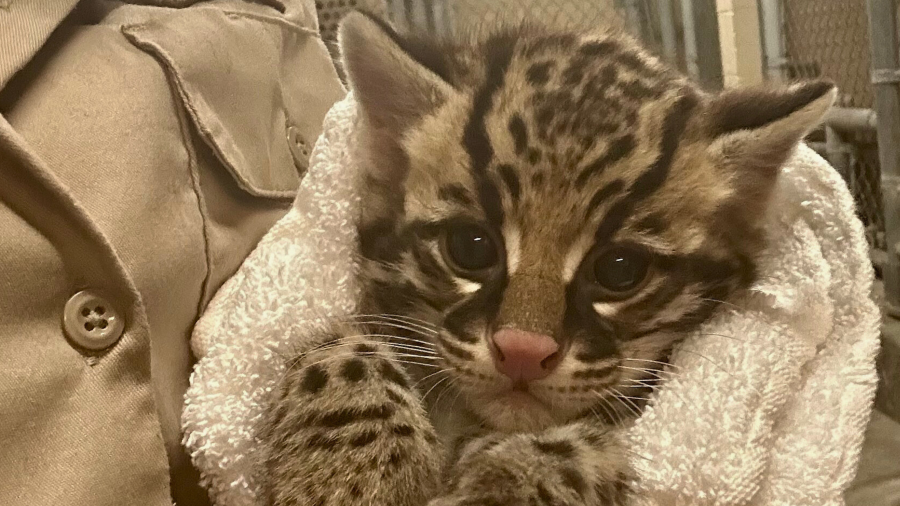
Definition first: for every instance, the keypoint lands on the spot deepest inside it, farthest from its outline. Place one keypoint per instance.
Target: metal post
(709, 52)
(667, 30)
(886, 82)
(772, 27)
(851, 119)
(838, 152)
(690, 39)
(633, 17)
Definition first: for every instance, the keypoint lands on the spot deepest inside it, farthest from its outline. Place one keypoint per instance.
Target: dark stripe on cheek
(398, 296)
(519, 133)
(483, 305)
(454, 350)
(650, 305)
(604, 194)
(593, 373)
(455, 193)
(378, 241)
(616, 151)
(511, 179)
(597, 348)
(418, 230)
(429, 266)
(592, 336)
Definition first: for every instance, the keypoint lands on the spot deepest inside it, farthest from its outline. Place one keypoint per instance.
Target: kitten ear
(394, 90)
(757, 129)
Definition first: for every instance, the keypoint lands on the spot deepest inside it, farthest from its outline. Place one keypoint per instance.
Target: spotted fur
(560, 145)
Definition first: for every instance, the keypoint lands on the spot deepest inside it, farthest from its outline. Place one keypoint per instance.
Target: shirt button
(91, 322)
(299, 149)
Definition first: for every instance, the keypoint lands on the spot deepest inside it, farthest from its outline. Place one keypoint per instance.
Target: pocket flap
(255, 85)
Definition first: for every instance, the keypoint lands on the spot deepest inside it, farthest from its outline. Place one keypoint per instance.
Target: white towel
(765, 405)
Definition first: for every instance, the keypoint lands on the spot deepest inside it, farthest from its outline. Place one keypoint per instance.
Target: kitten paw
(345, 427)
(566, 466)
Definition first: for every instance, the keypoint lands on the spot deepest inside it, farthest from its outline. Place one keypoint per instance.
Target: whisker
(611, 412)
(332, 346)
(426, 353)
(449, 385)
(409, 320)
(410, 362)
(631, 451)
(445, 370)
(425, 397)
(340, 358)
(654, 372)
(664, 364)
(458, 393)
(420, 342)
(719, 367)
(657, 384)
(385, 339)
(733, 306)
(402, 326)
(607, 391)
(629, 401)
(373, 319)
(619, 395)
(713, 334)
(417, 357)
(646, 383)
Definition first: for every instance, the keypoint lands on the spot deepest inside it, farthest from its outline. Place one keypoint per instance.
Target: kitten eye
(622, 270)
(469, 248)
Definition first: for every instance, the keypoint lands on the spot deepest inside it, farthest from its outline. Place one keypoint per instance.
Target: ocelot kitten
(546, 214)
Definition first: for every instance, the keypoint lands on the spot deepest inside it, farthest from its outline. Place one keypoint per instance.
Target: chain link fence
(831, 39)
(819, 38)
(669, 28)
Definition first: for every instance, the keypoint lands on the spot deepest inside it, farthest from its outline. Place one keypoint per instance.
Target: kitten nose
(524, 356)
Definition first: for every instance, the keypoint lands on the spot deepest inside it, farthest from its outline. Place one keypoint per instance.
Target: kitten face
(565, 189)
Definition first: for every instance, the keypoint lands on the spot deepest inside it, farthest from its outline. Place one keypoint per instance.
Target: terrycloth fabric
(765, 405)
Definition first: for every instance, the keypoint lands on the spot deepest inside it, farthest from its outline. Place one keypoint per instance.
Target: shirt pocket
(255, 85)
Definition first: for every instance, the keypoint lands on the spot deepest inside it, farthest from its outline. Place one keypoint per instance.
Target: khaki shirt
(144, 150)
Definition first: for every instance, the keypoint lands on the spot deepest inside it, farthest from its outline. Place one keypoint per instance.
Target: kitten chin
(517, 412)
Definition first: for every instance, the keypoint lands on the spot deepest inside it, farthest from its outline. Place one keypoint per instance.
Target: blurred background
(724, 43)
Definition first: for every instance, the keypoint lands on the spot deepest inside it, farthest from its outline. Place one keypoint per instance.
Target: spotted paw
(346, 427)
(566, 466)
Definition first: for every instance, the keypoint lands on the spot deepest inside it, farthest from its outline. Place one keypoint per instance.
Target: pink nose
(524, 356)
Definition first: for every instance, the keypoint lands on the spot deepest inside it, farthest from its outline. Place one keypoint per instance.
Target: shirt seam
(184, 126)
